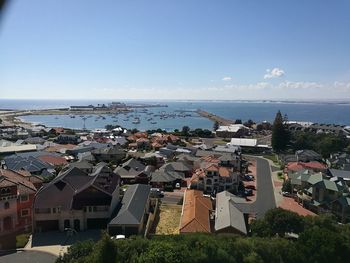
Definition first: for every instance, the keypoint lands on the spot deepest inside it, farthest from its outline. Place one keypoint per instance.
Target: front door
(77, 224)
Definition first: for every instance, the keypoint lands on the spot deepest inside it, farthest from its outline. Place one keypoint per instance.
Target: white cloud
(274, 73)
(300, 85)
(226, 78)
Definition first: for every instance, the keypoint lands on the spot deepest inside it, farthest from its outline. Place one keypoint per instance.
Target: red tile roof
(53, 160)
(298, 166)
(17, 178)
(196, 209)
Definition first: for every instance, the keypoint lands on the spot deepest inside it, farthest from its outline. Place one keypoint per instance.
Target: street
(265, 198)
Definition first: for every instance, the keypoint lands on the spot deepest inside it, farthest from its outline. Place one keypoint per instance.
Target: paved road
(265, 197)
(28, 257)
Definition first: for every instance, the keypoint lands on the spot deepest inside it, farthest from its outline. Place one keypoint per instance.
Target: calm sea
(336, 113)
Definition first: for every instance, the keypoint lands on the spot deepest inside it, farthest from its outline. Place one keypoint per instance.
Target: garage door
(47, 225)
(97, 223)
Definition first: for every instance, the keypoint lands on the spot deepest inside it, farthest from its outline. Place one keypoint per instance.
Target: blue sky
(175, 49)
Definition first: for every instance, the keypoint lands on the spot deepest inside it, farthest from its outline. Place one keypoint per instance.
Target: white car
(118, 237)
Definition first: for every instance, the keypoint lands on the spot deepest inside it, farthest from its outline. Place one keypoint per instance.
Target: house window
(7, 205)
(24, 212)
(24, 198)
(54, 210)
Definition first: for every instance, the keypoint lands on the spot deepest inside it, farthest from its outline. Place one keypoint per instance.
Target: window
(42, 210)
(7, 205)
(24, 198)
(54, 210)
(24, 212)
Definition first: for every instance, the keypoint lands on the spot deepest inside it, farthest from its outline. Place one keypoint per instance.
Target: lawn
(271, 157)
(22, 240)
(220, 142)
(169, 219)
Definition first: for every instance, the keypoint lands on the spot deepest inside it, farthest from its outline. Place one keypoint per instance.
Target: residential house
(108, 154)
(179, 166)
(303, 156)
(16, 200)
(75, 199)
(133, 214)
(212, 178)
(229, 218)
(67, 139)
(314, 165)
(8, 148)
(84, 166)
(339, 161)
(30, 164)
(340, 175)
(133, 171)
(197, 211)
(167, 179)
(232, 131)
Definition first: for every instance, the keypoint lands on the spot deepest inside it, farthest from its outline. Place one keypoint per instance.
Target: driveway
(173, 197)
(265, 198)
(28, 257)
(57, 243)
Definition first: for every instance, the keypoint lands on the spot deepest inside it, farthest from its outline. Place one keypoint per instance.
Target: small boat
(136, 121)
(153, 122)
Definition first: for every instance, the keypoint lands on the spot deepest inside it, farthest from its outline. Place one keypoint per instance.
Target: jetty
(215, 118)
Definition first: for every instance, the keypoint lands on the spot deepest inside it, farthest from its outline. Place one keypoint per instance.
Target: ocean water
(321, 112)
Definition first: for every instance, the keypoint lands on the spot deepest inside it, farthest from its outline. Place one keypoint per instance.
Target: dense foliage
(203, 133)
(280, 134)
(323, 143)
(321, 239)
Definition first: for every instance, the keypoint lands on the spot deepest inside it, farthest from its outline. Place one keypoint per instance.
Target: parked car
(248, 192)
(248, 177)
(287, 194)
(250, 187)
(118, 237)
(156, 192)
(177, 186)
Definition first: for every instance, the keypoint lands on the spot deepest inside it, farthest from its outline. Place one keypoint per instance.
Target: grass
(271, 157)
(169, 219)
(22, 240)
(220, 142)
(280, 175)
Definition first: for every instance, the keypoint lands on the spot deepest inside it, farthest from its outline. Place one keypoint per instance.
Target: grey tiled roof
(228, 214)
(163, 176)
(134, 203)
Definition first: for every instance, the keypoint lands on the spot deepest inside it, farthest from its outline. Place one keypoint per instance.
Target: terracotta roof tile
(196, 209)
(53, 160)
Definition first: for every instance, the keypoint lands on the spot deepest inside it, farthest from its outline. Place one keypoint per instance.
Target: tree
(133, 131)
(282, 221)
(322, 245)
(185, 130)
(287, 186)
(216, 125)
(264, 126)
(261, 228)
(280, 134)
(249, 123)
